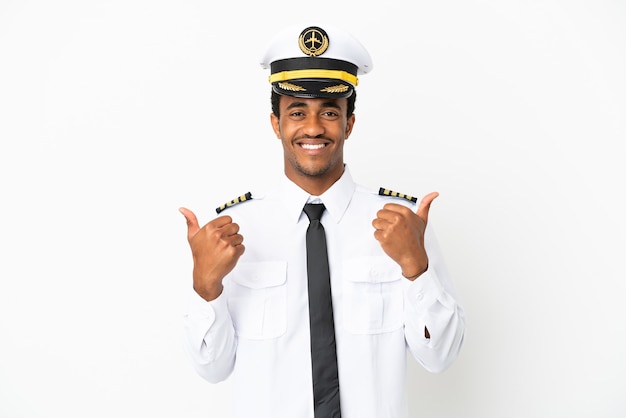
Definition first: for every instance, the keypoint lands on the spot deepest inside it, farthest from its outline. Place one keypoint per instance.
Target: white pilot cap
(315, 61)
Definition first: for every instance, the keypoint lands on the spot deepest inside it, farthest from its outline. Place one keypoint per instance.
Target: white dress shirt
(257, 330)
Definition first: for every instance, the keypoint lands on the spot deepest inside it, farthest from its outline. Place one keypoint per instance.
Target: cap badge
(313, 41)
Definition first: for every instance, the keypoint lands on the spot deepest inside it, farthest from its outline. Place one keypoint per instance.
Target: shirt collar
(336, 198)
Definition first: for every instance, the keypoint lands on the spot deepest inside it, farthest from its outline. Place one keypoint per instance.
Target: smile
(313, 146)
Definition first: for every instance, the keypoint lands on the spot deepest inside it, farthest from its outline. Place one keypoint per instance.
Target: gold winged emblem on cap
(313, 41)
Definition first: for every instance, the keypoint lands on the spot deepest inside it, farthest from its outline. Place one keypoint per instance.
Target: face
(313, 132)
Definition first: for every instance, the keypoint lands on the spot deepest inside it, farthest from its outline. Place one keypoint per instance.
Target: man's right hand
(216, 248)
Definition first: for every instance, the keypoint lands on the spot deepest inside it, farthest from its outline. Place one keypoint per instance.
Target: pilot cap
(311, 61)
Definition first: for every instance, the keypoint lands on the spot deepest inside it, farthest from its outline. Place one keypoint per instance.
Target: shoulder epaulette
(242, 198)
(387, 192)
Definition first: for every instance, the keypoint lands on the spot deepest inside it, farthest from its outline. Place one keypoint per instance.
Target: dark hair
(276, 103)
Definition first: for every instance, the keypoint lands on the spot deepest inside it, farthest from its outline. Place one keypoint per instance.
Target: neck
(314, 185)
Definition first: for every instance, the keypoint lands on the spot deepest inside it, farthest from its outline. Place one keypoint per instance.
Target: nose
(313, 126)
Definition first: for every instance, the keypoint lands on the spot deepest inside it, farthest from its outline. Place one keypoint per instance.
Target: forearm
(209, 338)
(429, 306)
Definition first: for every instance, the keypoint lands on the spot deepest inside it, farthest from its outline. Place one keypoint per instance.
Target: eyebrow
(331, 104)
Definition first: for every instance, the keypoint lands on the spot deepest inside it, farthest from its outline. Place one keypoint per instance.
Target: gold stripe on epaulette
(386, 192)
(242, 198)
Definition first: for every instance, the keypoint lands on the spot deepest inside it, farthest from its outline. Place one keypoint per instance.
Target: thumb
(192, 222)
(424, 207)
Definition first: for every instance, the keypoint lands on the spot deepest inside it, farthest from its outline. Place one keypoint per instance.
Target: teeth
(313, 146)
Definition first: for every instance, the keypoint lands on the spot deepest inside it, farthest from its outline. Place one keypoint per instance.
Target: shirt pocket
(374, 300)
(258, 299)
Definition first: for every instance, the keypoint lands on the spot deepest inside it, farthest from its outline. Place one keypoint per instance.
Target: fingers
(228, 231)
(392, 212)
(223, 226)
(192, 222)
(424, 207)
(221, 221)
(236, 239)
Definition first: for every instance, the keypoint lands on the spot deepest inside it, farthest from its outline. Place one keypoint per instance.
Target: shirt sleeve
(431, 303)
(209, 337)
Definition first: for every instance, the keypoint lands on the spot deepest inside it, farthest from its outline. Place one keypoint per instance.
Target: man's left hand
(400, 233)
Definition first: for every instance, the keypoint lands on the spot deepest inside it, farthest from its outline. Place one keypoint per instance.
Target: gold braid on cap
(290, 87)
(315, 73)
(340, 88)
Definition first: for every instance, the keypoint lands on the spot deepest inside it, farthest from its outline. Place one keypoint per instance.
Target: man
(265, 311)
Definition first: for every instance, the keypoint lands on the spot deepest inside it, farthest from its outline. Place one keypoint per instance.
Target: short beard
(308, 172)
(311, 173)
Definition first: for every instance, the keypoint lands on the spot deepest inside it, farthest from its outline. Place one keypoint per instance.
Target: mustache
(321, 136)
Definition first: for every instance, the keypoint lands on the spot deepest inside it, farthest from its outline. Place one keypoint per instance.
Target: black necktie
(323, 352)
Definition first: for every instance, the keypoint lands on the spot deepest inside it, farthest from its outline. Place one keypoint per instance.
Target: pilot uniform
(257, 331)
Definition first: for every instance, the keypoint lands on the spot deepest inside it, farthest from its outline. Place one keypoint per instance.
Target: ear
(350, 125)
(275, 124)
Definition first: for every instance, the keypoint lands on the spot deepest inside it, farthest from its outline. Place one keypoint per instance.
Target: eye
(296, 114)
(329, 114)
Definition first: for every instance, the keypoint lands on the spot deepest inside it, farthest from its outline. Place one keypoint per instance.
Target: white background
(115, 113)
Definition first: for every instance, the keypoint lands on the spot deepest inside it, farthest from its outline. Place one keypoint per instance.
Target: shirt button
(419, 296)
(374, 272)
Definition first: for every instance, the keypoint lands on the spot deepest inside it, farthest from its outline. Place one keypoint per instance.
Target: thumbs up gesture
(400, 233)
(216, 248)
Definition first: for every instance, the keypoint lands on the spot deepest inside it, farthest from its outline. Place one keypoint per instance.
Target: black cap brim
(314, 88)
